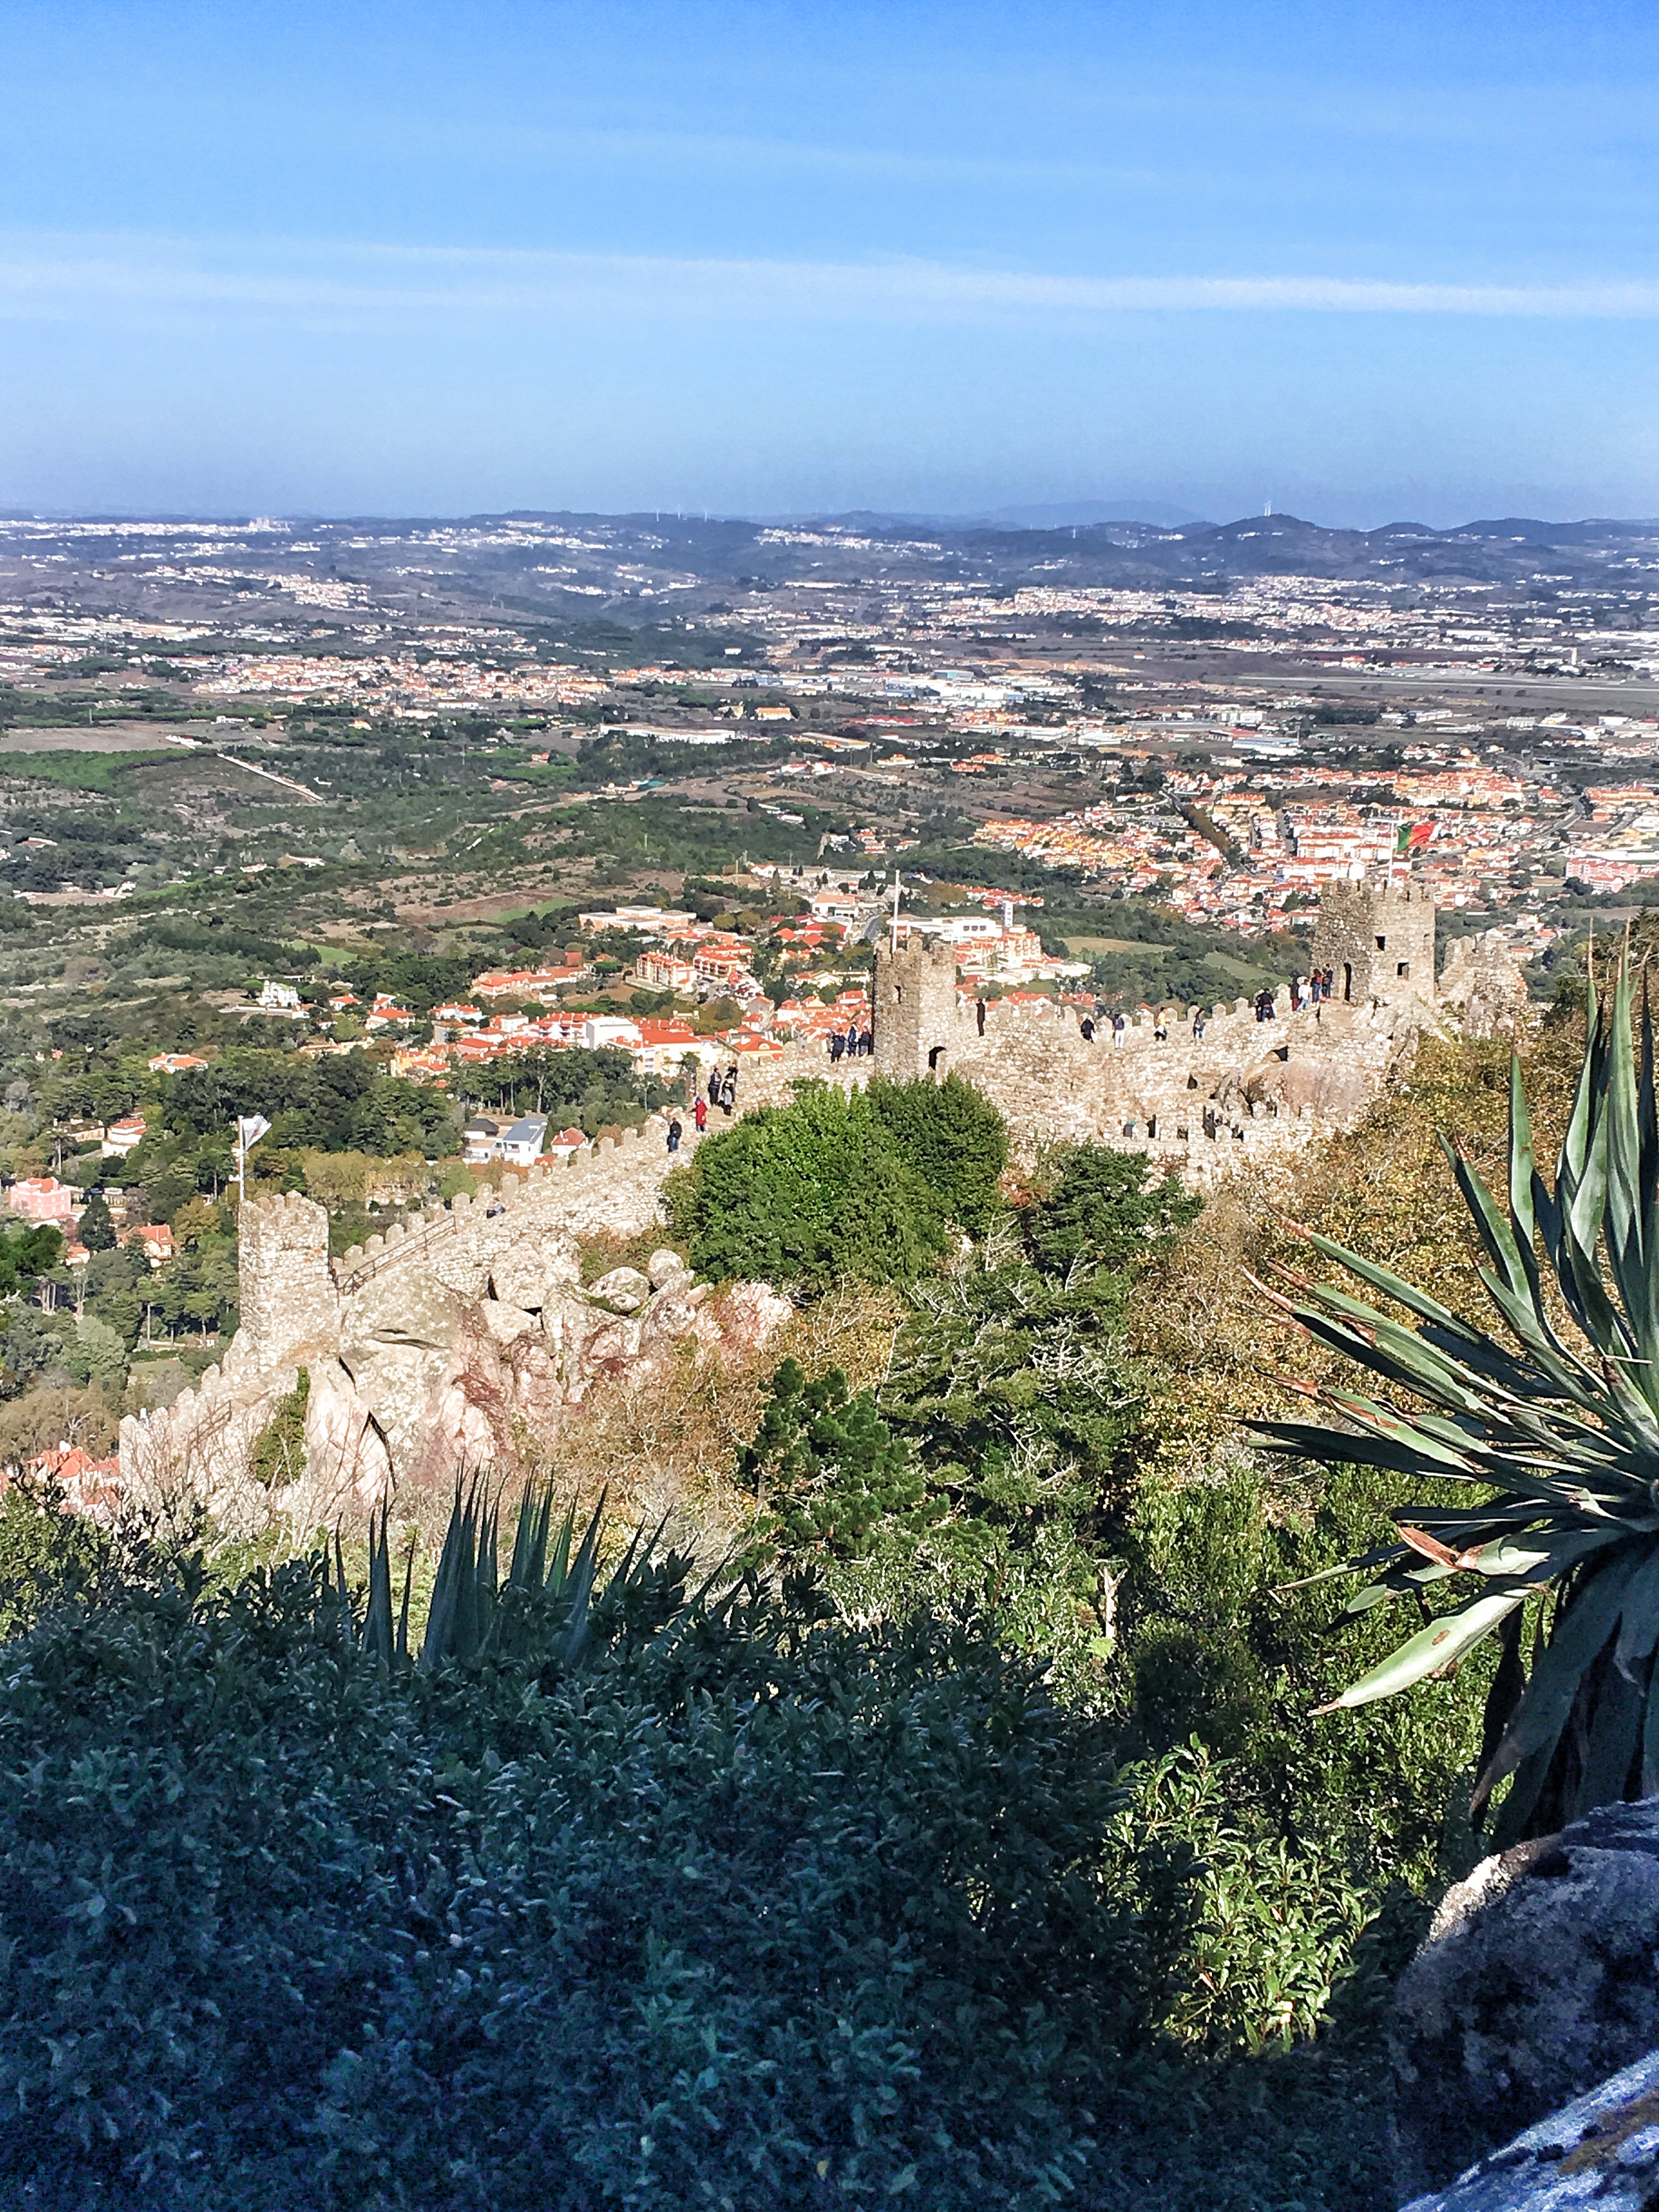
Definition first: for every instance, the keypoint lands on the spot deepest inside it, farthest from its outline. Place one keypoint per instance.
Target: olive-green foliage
(737, 1910)
(1538, 1459)
(1263, 1922)
(336, 1104)
(809, 1194)
(97, 1229)
(27, 1254)
(278, 1452)
(1217, 1642)
(49, 1556)
(95, 1352)
(590, 1087)
(1011, 1390)
(825, 1468)
(954, 1138)
(1100, 1206)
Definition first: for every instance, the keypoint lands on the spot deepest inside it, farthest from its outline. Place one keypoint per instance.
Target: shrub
(838, 1184)
(807, 1194)
(954, 1138)
(737, 1912)
(825, 1468)
(1101, 1207)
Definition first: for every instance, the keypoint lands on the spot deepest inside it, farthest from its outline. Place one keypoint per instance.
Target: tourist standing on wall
(837, 1045)
(1119, 1026)
(701, 1113)
(675, 1133)
(1087, 1029)
(1198, 1025)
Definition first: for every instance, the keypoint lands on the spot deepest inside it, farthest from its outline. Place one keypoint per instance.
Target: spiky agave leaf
(1560, 1437)
(545, 1608)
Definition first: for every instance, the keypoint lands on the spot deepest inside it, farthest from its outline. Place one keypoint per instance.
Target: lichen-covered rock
(625, 1287)
(1603, 2149)
(533, 1269)
(1539, 1977)
(665, 1267)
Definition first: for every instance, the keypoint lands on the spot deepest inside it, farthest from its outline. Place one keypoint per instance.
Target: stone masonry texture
(452, 1339)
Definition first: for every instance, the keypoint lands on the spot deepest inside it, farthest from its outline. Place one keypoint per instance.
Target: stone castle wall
(447, 1339)
(423, 1347)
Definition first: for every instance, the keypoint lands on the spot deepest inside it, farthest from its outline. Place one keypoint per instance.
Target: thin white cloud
(77, 278)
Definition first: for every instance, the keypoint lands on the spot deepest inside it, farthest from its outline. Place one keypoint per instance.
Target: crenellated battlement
(453, 1334)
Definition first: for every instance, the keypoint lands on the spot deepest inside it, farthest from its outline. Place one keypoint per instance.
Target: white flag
(250, 1128)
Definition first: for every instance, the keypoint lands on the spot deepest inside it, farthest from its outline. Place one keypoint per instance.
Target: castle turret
(1378, 941)
(287, 1295)
(915, 1008)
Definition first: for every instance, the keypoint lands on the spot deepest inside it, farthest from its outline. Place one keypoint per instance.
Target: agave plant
(543, 1610)
(1555, 1429)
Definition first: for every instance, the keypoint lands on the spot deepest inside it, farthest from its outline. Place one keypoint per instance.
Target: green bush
(738, 1914)
(49, 1556)
(825, 1468)
(1011, 1394)
(806, 1196)
(837, 1185)
(1219, 1641)
(954, 1138)
(278, 1455)
(1100, 1208)
(27, 1254)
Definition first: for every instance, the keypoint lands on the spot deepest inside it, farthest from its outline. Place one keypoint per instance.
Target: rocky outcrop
(467, 1339)
(1539, 1977)
(1602, 2149)
(1482, 985)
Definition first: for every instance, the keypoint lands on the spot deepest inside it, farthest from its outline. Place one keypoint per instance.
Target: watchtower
(1378, 941)
(287, 1295)
(915, 1008)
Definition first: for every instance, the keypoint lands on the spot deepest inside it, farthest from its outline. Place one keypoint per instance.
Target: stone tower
(915, 1008)
(1378, 941)
(287, 1295)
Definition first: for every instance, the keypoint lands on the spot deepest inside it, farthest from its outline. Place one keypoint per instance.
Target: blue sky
(1366, 262)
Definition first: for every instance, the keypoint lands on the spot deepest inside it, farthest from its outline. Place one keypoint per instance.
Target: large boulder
(1603, 2149)
(1539, 1977)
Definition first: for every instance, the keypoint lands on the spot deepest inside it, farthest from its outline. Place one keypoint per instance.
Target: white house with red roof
(123, 1137)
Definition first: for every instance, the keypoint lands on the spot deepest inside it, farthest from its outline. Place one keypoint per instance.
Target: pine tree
(97, 1229)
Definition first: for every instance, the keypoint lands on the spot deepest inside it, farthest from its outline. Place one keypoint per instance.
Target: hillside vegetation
(964, 1840)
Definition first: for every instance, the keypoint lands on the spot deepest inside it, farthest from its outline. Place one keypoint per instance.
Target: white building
(521, 1144)
(601, 1029)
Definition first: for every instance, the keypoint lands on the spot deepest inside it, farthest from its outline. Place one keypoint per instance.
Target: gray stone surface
(1378, 941)
(1539, 1977)
(1603, 2149)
